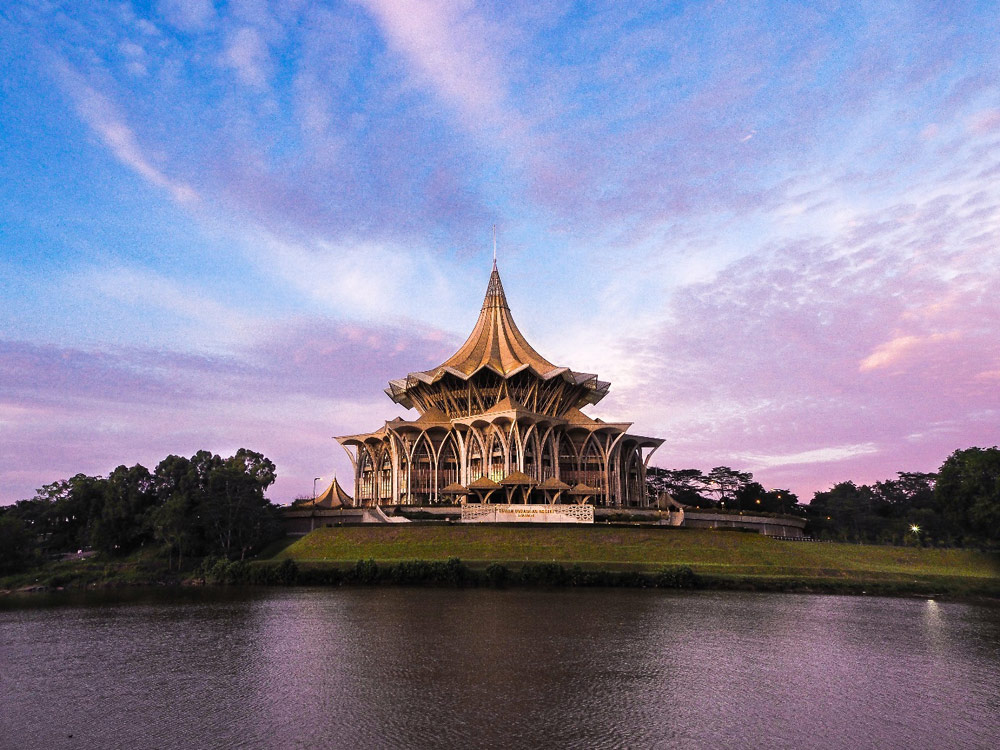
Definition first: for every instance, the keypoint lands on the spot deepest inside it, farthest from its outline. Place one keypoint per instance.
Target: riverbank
(719, 559)
(553, 556)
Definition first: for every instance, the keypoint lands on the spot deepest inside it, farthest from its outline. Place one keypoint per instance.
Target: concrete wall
(782, 526)
(299, 522)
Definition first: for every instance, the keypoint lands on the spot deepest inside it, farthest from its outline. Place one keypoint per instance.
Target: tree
(68, 508)
(842, 512)
(16, 548)
(753, 496)
(726, 482)
(176, 520)
(684, 485)
(123, 523)
(237, 515)
(211, 505)
(174, 524)
(967, 494)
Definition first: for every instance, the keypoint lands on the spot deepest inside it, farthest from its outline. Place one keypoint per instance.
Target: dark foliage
(203, 505)
(721, 487)
(958, 506)
(16, 550)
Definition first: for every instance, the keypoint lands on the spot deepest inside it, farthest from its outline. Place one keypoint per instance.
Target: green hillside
(718, 556)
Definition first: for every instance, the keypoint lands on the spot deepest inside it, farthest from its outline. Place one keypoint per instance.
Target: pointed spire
(495, 296)
(494, 247)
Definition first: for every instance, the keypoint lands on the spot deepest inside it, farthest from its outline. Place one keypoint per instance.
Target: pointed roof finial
(494, 245)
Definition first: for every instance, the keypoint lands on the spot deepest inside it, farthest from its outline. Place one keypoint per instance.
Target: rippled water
(391, 667)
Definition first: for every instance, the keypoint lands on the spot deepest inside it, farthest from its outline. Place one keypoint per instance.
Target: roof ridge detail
(496, 344)
(495, 296)
(495, 340)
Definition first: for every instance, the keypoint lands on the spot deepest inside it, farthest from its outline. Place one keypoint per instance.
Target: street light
(914, 528)
(314, 488)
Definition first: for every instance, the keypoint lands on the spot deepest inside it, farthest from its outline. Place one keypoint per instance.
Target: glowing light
(914, 528)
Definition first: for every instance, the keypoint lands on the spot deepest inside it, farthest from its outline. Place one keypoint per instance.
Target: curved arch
(549, 458)
(496, 456)
(569, 453)
(383, 488)
(593, 465)
(531, 456)
(449, 465)
(475, 455)
(365, 480)
(421, 471)
(633, 477)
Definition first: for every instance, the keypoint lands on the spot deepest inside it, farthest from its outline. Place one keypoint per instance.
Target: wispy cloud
(892, 352)
(448, 45)
(247, 54)
(833, 454)
(306, 379)
(188, 15)
(777, 234)
(109, 124)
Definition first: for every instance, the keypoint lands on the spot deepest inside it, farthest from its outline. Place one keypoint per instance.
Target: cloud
(447, 45)
(303, 380)
(188, 15)
(197, 317)
(762, 362)
(830, 281)
(107, 122)
(247, 54)
(833, 454)
(891, 352)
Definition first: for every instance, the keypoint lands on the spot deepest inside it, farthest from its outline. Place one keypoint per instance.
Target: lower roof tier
(483, 391)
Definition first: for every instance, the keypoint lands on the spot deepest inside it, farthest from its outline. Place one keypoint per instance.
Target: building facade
(499, 423)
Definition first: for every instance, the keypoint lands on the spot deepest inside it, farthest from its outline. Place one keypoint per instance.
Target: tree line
(185, 507)
(722, 488)
(959, 505)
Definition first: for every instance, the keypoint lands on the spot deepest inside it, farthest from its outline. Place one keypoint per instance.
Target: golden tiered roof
(496, 344)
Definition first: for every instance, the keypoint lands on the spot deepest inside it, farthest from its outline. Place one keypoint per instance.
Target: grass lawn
(710, 553)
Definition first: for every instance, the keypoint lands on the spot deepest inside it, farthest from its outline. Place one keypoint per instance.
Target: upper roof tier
(496, 342)
(497, 345)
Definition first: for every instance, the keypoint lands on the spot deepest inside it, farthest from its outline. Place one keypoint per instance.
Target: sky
(774, 227)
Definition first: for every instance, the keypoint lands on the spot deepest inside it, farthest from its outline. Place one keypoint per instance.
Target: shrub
(679, 577)
(454, 572)
(288, 572)
(496, 574)
(365, 572)
(409, 572)
(543, 574)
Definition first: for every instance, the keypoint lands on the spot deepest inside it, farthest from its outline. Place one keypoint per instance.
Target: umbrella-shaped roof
(553, 484)
(498, 345)
(333, 496)
(517, 478)
(483, 483)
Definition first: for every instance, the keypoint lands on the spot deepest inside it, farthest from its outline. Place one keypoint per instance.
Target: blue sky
(773, 226)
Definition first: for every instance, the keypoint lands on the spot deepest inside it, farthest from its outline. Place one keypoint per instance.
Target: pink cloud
(792, 358)
(88, 411)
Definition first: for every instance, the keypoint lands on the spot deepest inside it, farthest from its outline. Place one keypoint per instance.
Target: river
(394, 667)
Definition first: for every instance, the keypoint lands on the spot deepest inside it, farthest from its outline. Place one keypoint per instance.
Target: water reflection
(445, 668)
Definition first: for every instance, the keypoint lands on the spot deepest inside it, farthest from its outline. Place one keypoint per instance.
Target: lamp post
(316, 479)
